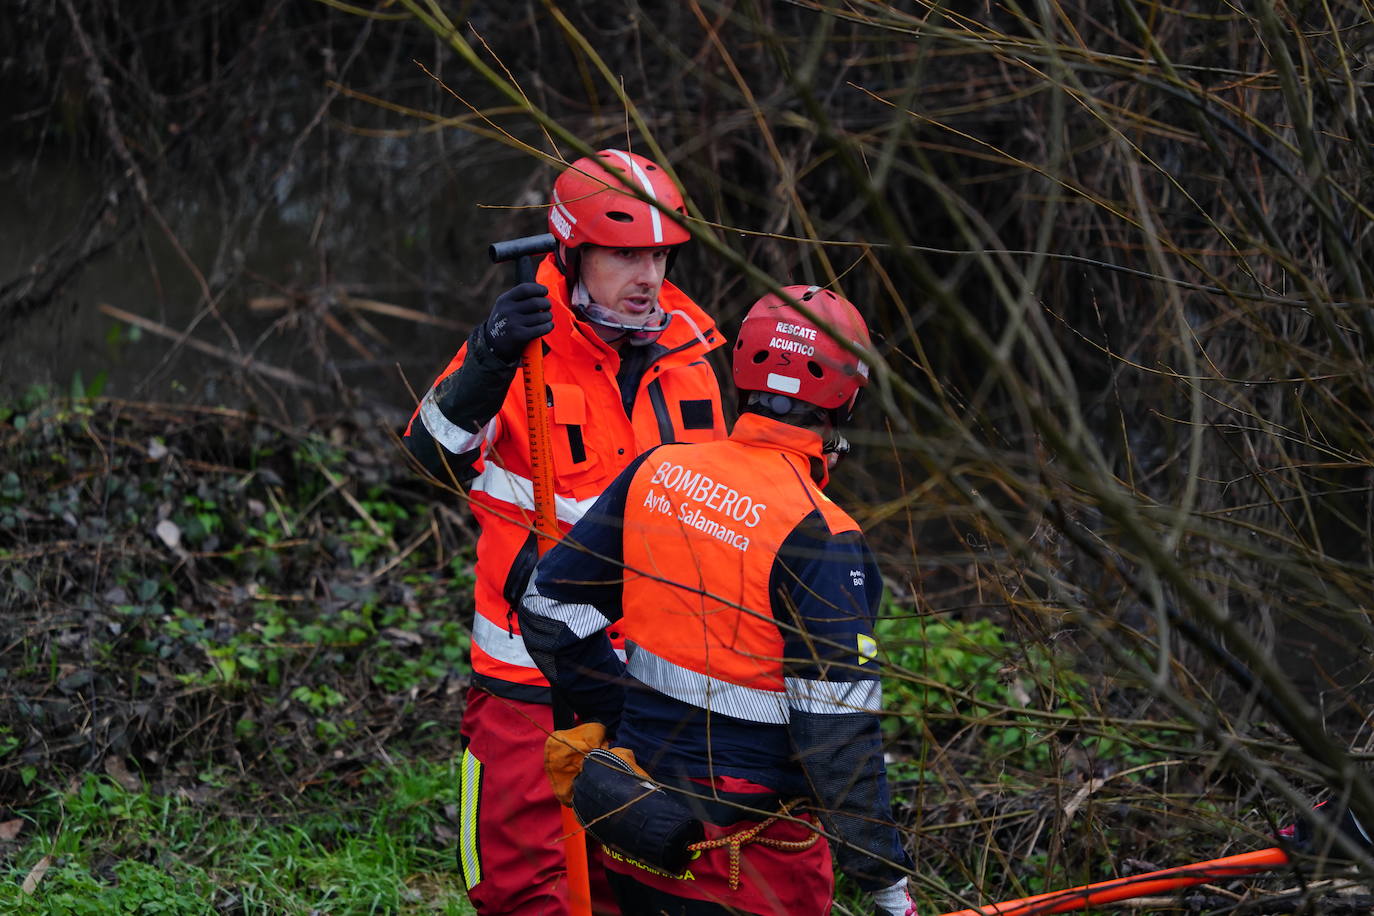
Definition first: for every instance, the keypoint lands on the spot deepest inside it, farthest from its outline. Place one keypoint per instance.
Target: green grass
(367, 848)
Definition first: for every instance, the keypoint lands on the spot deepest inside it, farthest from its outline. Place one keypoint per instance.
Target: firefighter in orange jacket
(746, 599)
(625, 370)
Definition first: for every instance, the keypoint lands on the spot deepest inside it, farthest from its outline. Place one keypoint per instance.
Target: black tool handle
(522, 252)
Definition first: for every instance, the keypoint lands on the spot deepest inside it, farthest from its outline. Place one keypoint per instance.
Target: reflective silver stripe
(500, 643)
(447, 433)
(582, 619)
(656, 218)
(750, 703)
(501, 484)
(834, 697)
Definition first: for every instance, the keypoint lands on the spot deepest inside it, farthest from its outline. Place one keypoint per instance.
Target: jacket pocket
(692, 403)
(574, 461)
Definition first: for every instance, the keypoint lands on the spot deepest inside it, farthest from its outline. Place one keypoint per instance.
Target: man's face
(625, 281)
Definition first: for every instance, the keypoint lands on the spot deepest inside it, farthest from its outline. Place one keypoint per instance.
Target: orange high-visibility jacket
(747, 600)
(677, 400)
(703, 530)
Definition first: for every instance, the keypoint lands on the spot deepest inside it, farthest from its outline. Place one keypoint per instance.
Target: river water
(310, 254)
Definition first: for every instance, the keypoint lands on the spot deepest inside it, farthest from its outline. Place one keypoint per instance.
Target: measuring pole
(537, 417)
(522, 251)
(1155, 882)
(546, 531)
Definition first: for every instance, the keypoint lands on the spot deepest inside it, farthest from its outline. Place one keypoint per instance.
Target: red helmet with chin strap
(781, 351)
(591, 205)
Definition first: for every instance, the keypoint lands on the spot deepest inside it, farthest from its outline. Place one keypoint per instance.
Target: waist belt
(721, 807)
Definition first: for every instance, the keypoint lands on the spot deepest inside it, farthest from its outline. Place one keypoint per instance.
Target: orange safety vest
(703, 525)
(678, 400)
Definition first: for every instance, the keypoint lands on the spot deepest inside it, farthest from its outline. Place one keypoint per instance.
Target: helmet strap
(784, 408)
(604, 322)
(569, 262)
(834, 446)
(825, 421)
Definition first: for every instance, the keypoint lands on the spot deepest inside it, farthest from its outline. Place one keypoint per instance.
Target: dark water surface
(397, 220)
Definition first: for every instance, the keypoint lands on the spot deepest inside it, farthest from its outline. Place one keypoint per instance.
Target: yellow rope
(736, 841)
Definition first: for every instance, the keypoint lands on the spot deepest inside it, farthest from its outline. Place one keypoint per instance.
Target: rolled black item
(632, 816)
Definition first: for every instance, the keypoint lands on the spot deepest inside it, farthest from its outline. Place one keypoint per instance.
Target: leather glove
(564, 752)
(627, 755)
(893, 901)
(521, 314)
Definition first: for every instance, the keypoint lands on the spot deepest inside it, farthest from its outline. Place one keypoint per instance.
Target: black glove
(521, 314)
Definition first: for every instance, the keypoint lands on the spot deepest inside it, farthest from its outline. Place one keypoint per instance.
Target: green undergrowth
(219, 632)
(1024, 704)
(998, 742)
(228, 646)
(381, 841)
(209, 598)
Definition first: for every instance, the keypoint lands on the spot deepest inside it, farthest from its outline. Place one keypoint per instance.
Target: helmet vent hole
(815, 368)
(760, 356)
(650, 168)
(620, 216)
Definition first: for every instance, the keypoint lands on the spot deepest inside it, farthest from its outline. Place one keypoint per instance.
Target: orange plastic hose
(1155, 882)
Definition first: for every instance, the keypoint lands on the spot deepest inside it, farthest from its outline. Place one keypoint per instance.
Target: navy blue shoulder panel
(825, 590)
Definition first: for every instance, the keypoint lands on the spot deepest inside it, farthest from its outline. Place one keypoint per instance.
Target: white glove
(893, 901)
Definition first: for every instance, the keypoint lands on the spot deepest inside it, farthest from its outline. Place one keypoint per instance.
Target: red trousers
(511, 828)
(763, 879)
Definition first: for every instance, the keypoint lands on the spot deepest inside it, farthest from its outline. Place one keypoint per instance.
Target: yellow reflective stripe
(469, 790)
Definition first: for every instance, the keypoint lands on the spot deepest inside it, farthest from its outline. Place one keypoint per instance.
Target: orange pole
(546, 526)
(1155, 882)
(541, 453)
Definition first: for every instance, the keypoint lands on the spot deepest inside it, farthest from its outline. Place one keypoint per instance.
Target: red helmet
(591, 206)
(780, 350)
